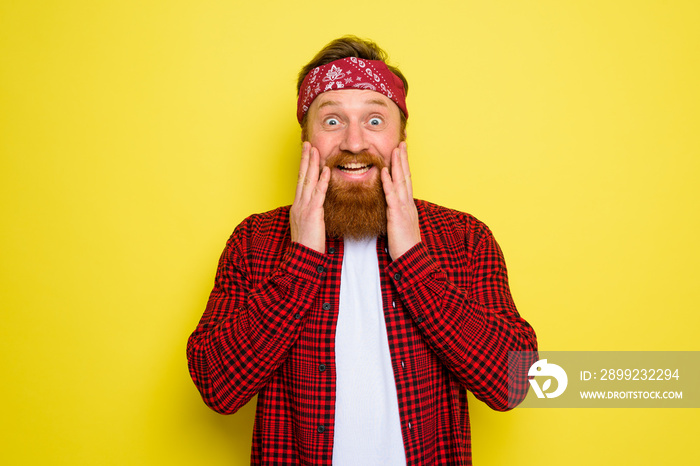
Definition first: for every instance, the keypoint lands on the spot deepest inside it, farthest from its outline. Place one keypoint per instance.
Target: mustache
(345, 157)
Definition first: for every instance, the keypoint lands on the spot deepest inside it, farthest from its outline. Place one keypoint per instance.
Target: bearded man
(359, 316)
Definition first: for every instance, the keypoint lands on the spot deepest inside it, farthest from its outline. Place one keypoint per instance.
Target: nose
(354, 139)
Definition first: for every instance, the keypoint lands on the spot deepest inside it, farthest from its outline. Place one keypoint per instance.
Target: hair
(350, 46)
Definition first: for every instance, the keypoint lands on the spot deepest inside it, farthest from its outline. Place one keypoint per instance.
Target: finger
(397, 175)
(311, 177)
(403, 148)
(303, 167)
(388, 186)
(319, 192)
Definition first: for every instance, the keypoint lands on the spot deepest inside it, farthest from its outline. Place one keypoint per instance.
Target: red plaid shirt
(269, 328)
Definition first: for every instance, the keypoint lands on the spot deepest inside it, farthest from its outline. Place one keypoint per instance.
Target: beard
(355, 209)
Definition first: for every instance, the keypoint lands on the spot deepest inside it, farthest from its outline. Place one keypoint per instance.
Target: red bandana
(351, 73)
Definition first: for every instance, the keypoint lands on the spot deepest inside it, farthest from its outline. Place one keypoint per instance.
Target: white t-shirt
(367, 423)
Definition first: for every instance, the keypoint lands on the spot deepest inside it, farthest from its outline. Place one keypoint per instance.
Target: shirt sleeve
(248, 328)
(471, 328)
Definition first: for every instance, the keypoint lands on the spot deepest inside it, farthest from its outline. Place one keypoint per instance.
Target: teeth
(354, 168)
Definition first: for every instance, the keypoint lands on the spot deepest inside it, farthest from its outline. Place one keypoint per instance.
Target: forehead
(353, 99)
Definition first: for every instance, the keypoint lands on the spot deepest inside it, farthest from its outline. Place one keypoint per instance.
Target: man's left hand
(401, 213)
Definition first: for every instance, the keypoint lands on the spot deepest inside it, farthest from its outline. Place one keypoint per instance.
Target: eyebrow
(328, 103)
(331, 103)
(377, 102)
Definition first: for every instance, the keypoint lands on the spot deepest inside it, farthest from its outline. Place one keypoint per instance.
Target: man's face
(353, 122)
(355, 132)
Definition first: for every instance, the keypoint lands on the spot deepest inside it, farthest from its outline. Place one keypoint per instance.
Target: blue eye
(332, 121)
(375, 121)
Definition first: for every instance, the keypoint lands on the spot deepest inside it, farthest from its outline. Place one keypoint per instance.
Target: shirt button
(297, 316)
(321, 367)
(331, 250)
(419, 319)
(397, 276)
(321, 429)
(320, 269)
(326, 306)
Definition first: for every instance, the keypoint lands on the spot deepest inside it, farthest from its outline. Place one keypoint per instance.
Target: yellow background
(135, 135)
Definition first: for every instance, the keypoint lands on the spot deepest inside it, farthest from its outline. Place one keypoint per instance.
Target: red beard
(355, 209)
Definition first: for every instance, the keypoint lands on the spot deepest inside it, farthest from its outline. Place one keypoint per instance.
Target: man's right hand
(306, 214)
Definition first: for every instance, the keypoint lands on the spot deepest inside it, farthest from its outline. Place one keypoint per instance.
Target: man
(359, 315)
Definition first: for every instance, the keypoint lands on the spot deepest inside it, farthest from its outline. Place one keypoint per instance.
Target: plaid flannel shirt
(269, 329)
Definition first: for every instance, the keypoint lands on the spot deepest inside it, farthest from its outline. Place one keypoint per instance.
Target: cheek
(387, 142)
(386, 151)
(387, 161)
(323, 155)
(325, 149)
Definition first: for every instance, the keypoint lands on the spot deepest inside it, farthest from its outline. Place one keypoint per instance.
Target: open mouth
(355, 168)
